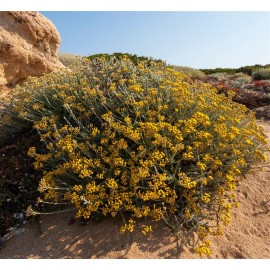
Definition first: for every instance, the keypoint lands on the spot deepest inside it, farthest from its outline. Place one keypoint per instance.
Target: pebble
(19, 231)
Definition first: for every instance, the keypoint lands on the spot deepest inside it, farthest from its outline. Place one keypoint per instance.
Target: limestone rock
(28, 46)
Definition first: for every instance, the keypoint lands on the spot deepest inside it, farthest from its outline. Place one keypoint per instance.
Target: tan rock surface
(28, 46)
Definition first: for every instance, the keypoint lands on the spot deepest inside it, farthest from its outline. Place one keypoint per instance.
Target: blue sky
(195, 39)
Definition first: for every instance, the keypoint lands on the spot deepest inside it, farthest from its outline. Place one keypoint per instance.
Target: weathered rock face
(28, 46)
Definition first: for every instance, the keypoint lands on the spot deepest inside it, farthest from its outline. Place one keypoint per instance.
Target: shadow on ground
(55, 238)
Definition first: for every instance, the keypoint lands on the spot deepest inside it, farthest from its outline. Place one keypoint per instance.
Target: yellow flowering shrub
(140, 139)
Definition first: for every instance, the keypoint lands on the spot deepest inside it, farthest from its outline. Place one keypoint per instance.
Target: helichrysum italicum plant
(191, 72)
(220, 76)
(144, 140)
(70, 60)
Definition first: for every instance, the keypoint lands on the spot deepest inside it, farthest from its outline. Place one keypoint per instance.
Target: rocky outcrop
(28, 46)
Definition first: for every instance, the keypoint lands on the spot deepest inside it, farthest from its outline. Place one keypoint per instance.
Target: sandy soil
(248, 235)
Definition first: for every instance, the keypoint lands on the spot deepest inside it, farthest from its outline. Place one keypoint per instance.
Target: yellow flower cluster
(128, 227)
(145, 140)
(146, 230)
(204, 248)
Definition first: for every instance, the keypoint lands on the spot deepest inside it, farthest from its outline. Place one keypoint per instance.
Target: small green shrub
(250, 69)
(246, 69)
(141, 139)
(223, 76)
(239, 80)
(70, 60)
(261, 74)
(132, 57)
(191, 72)
(242, 76)
(220, 70)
